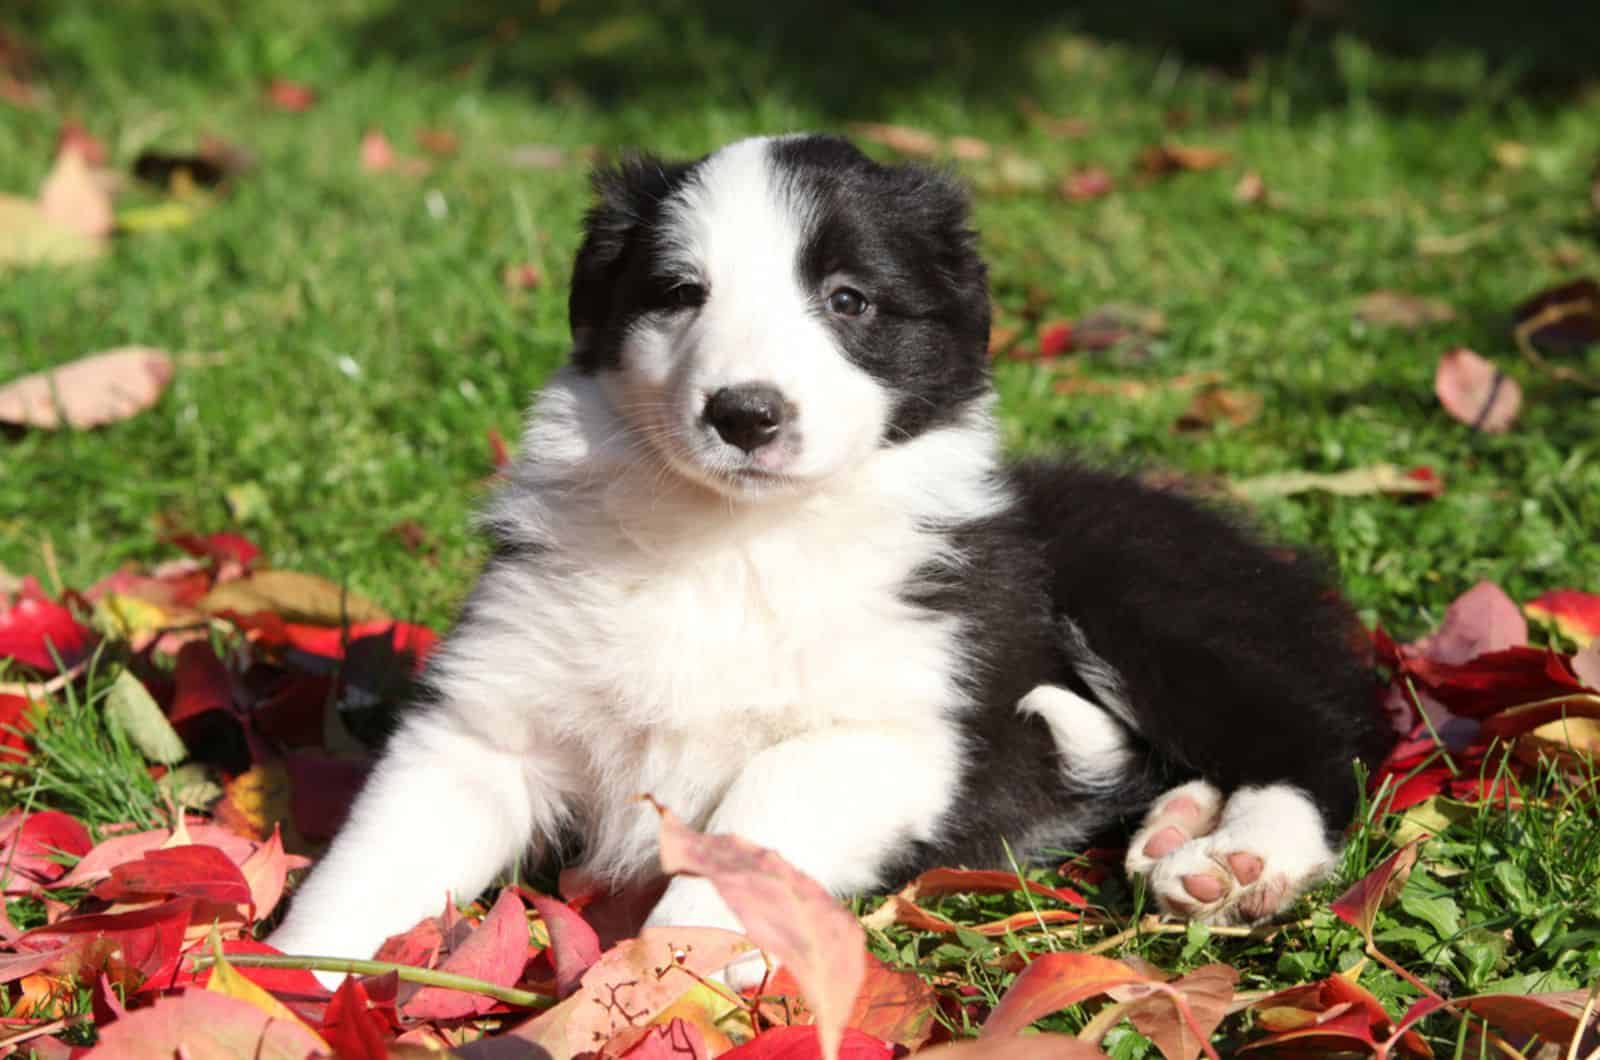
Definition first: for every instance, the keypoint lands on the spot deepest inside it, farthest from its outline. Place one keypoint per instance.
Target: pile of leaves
(242, 706)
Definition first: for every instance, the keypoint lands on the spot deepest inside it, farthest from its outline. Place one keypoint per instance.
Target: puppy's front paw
(695, 903)
(1239, 862)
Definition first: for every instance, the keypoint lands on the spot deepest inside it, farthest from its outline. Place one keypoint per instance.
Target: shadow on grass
(853, 60)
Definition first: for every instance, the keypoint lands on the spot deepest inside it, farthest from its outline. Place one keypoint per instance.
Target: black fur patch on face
(900, 236)
(612, 281)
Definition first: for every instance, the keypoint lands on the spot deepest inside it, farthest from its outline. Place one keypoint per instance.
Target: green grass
(367, 344)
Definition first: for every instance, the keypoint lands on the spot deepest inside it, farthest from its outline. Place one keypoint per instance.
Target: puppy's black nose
(748, 416)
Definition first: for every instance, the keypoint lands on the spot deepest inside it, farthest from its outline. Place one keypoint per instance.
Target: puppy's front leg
(443, 812)
(836, 804)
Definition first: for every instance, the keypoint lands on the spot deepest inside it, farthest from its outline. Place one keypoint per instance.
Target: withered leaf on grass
(1475, 392)
(1356, 482)
(1360, 904)
(29, 237)
(92, 391)
(1089, 182)
(1251, 190)
(379, 156)
(1400, 309)
(918, 143)
(74, 198)
(1165, 158)
(1214, 405)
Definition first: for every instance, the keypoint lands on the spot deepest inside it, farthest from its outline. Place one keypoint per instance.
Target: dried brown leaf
(1214, 405)
(1166, 158)
(1356, 482)
(28, 237)
(1402, 310)
(918, 143)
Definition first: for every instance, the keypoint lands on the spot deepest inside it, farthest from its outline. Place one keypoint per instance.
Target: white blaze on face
(738, 228)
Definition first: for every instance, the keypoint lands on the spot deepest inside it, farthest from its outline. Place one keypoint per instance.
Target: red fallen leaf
(1207, 990)
(524, 277)
(439, 142)
(1334, 1011)
(379, 156)
(1051, 983)
(31, 844)
(1529, 716)
(202, 683)
(293, 716)
(196, 871)
(147, 940)
(495, 953)
(97, 864)
(106, 1006)
(1090, 182)
(399, 639)
(1428, 477)
(784, 912)
(1576, 614)
(14, 966)
(1494, 681)
(1030, 1047)
(35, 630)
(1475, 392)
(677, 1040)
(203, 1025)
(322, 789)
(352, 1027)
(574, 946)
(804, 1043)
(290, 95)
(938, 883)
(74, 137)
(16, 722)
(1483, 619)
(1055, 338)
(1360, 904)
(499, 453)
(297, 988)
(222, 549)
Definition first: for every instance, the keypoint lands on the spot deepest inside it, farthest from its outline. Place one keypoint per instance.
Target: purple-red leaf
(1483, 619)
(574, 946)
(31, 846)
(804, 1043)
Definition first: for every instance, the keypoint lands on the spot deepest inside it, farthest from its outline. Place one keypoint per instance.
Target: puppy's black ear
(628, 200)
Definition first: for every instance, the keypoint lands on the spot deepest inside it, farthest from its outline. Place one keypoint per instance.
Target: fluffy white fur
(665, 638)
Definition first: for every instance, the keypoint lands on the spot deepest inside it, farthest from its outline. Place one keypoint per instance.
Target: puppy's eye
(687, 296)
(847, 302)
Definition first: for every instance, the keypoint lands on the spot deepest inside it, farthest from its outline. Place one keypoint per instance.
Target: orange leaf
(1052, 982)
(784, 912)
(496, 952)
(1576, 614)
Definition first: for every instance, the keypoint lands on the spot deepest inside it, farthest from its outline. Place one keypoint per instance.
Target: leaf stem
(405, 972)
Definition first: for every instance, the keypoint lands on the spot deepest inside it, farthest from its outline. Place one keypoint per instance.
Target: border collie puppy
(760, 557)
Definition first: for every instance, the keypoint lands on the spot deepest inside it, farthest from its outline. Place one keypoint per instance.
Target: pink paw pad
(1246, 867)
(1203, 887)
(1264, 901)
(1164, 842)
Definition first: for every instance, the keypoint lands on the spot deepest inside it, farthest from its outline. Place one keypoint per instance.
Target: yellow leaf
(720, 1022)
(158, 218)
(295, 597)
(226, 980)
(28, 237)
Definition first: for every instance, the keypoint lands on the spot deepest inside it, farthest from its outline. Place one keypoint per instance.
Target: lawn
(355, 342)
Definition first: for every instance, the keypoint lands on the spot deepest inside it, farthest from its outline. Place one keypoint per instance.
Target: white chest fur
(662, 638)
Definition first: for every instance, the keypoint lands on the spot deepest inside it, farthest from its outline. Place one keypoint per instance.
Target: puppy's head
(767, 316)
